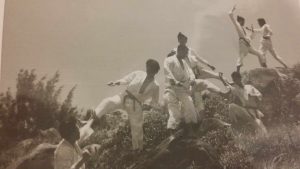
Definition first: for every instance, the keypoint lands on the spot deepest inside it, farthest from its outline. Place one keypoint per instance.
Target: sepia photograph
(161, 84)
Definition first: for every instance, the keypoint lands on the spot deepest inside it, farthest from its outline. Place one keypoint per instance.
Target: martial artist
(195, 62)
(178, 78)
(142, 94)
(244, 41)
(244, 111)
(266, 42)
(182, 40)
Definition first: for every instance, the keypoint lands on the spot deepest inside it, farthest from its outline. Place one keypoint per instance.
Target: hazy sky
(92, 42)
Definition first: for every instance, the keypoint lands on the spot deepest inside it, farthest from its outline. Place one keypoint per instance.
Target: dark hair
(261, 21)
(236, 75)
(68, 128)
(182, 47)
(240, 19)
(153, 65)
(181, 36)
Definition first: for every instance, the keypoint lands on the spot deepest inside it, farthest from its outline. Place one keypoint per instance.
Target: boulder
(260, 77)
(279, 88)
(40, 157)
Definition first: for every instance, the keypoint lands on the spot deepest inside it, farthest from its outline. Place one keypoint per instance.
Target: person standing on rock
(244, 112)
(142, 94)
(266, 42)
(178, 78)
(244, 41)
(201, 83)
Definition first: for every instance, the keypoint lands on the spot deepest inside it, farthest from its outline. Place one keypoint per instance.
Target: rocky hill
(216, 144)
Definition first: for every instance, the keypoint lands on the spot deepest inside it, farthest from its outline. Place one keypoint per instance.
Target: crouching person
(68, 154)
(245, 113)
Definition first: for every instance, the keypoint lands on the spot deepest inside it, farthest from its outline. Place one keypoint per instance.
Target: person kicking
(266, 42)
(201, 84)
(178, 78)
(244, 112)
(142, 94)
(244, 41)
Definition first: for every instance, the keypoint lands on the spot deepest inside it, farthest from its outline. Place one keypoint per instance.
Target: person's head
(182, 39)
(152, 67)
(261, 22)
(236, 78)
(69, 130)
(182, 51)
(241, 20)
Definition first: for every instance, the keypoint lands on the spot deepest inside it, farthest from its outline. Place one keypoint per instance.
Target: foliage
(34, 107)
(115, 139)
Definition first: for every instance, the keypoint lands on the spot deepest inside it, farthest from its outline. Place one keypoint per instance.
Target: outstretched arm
(235, 23)
(202, 60)
(124, 81)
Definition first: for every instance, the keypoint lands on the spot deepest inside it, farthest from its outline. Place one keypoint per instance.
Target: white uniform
(178, 98)
(66, 155)
(247, 113)
(266, 43)
(195, 62)
(244, 43)
(134, 81)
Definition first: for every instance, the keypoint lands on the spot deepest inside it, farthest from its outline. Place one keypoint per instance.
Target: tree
(34, 107)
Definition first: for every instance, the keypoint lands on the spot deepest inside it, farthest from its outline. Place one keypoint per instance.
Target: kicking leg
(108, 105)
(261, 57)
(277, 57)
(201, 85)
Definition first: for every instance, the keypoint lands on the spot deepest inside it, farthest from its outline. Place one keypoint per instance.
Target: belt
(129, 95)
(246, 41)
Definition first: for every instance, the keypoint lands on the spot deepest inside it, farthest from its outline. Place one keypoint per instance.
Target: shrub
(34, 107)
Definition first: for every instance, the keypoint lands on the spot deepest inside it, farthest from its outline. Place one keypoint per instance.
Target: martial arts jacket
(174, 70)
(134, 82)
(265, 30)
(242, 33)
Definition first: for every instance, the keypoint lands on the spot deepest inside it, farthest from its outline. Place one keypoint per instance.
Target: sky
(96, 41)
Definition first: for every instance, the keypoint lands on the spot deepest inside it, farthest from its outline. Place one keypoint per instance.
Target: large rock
(181, 151)
(260, 77)
(279, 88)
(40, 157)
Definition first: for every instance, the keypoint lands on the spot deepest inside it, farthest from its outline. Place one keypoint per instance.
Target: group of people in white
(185, 80)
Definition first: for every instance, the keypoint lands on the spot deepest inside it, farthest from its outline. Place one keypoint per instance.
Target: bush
(34, 107)
(115, 139)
